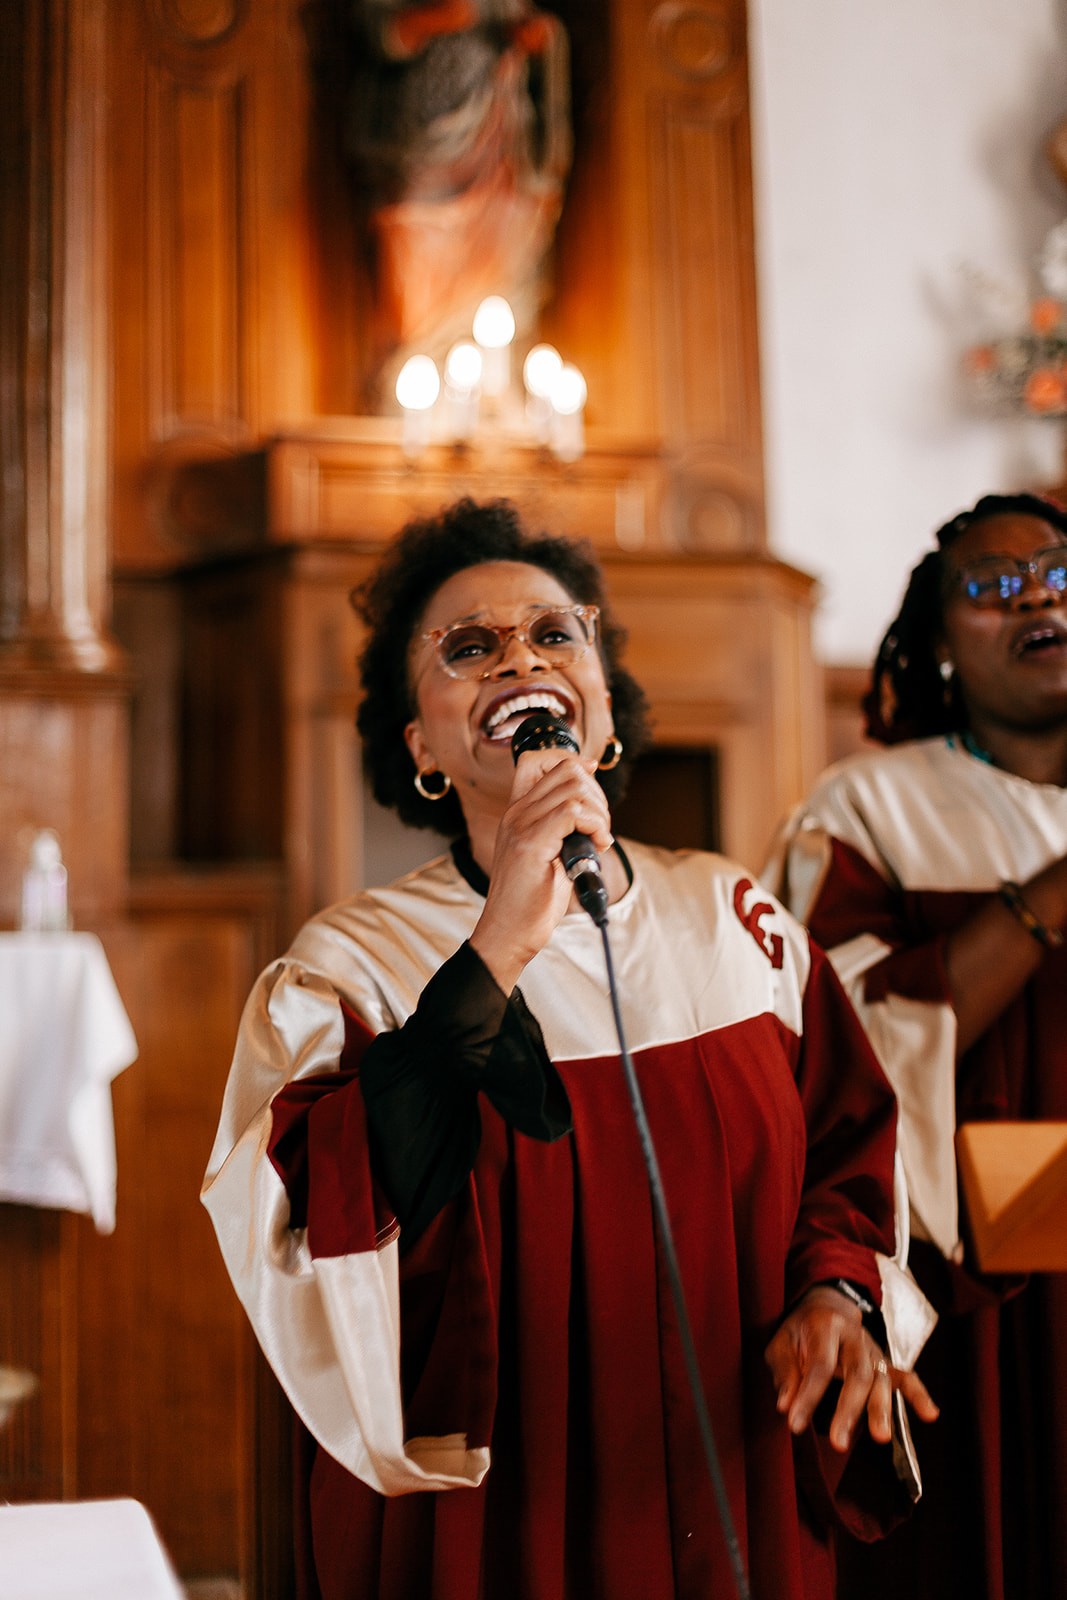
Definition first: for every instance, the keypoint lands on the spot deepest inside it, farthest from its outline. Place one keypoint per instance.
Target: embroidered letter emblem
(771, 944)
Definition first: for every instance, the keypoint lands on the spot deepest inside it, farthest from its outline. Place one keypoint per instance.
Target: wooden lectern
(1014, 1181)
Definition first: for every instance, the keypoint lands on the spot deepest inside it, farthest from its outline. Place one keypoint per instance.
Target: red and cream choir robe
(893, 850)
(500, 1407)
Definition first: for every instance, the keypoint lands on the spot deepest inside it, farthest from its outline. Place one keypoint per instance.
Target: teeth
(1038, 636)
(526, 702)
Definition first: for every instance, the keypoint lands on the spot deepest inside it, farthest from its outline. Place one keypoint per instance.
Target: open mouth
(1038, 641)
(507, 711)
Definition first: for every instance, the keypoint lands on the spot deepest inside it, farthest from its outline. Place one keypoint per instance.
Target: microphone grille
(542, 731)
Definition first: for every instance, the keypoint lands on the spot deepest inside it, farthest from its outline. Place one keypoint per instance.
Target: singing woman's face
(1011, 654)
(463, 726)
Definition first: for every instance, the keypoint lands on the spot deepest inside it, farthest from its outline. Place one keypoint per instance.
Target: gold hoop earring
(432, 794)
(608, 762)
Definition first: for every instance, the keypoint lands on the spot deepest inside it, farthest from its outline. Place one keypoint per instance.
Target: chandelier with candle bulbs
(478, 393)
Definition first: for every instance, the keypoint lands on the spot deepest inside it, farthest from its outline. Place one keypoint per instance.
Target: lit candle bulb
(539, 372)
(418, 384)
(463, 378)
(568, 396)
(494, 329)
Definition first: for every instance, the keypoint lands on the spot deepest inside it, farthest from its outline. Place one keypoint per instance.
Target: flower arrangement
(1027, 371)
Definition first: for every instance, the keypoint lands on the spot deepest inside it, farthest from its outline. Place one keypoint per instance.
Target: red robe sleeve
(856, 899)
(846, 1210)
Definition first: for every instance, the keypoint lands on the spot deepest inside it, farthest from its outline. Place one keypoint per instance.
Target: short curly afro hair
(908, 698)
(392, 602)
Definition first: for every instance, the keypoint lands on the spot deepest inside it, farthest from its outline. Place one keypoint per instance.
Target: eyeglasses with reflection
(558, 634)
(998, 580)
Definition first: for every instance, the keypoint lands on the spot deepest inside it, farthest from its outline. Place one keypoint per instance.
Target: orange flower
(1045, 390)
(1045, 314)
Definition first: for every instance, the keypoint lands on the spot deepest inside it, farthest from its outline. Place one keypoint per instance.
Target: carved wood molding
(198, 22)
(209, 240)
(347, 479)
(195, 239)
(692, 40)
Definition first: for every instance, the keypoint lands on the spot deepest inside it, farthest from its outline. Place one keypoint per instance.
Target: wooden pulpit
(1014, 1181)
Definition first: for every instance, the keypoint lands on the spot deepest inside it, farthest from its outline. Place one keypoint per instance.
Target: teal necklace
(972, 747)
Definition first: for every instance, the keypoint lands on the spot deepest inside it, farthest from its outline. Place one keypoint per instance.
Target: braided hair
(907, 698)
(392, 602)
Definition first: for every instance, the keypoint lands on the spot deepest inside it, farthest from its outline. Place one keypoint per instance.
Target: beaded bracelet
(871, 1317)
(1012, 897)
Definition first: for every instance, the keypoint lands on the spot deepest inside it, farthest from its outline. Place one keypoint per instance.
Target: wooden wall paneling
(311, 837)
(702, 373)
(720, 646)
(147, 622)
(234, 732)
(209, 249)
(704, 272)
(633, 386)
(845, 689)
(335, 864)
(131, 481)
(703, 265)
(63, 765)
(798, 701)
(168, 1370)
(188, 1375)
(200, 375)
(324, 843)
(36, 1459)
(687, 371)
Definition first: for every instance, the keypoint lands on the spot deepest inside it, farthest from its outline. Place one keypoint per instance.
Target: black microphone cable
(537, 732)
(685, 1331)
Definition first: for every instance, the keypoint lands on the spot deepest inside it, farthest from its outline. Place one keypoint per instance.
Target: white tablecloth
(83, 1550)
(64, 1036)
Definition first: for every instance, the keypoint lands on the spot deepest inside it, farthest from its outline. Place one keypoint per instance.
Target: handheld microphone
(541, 731)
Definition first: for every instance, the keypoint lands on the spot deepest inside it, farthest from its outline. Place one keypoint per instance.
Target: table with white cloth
(64, 1038)
(83, 1550)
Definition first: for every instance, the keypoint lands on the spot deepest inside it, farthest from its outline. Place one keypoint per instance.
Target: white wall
(894, 142)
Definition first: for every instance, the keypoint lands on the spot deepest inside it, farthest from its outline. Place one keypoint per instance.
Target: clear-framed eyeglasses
(560, 635)
(998, 580)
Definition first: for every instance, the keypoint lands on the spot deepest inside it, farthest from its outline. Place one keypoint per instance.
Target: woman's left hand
(823, 1338)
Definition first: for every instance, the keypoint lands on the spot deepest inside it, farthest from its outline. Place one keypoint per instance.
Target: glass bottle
(44, 887)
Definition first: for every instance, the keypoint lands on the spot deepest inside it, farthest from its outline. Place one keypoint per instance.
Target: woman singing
(429, 1186)
(935, 873)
